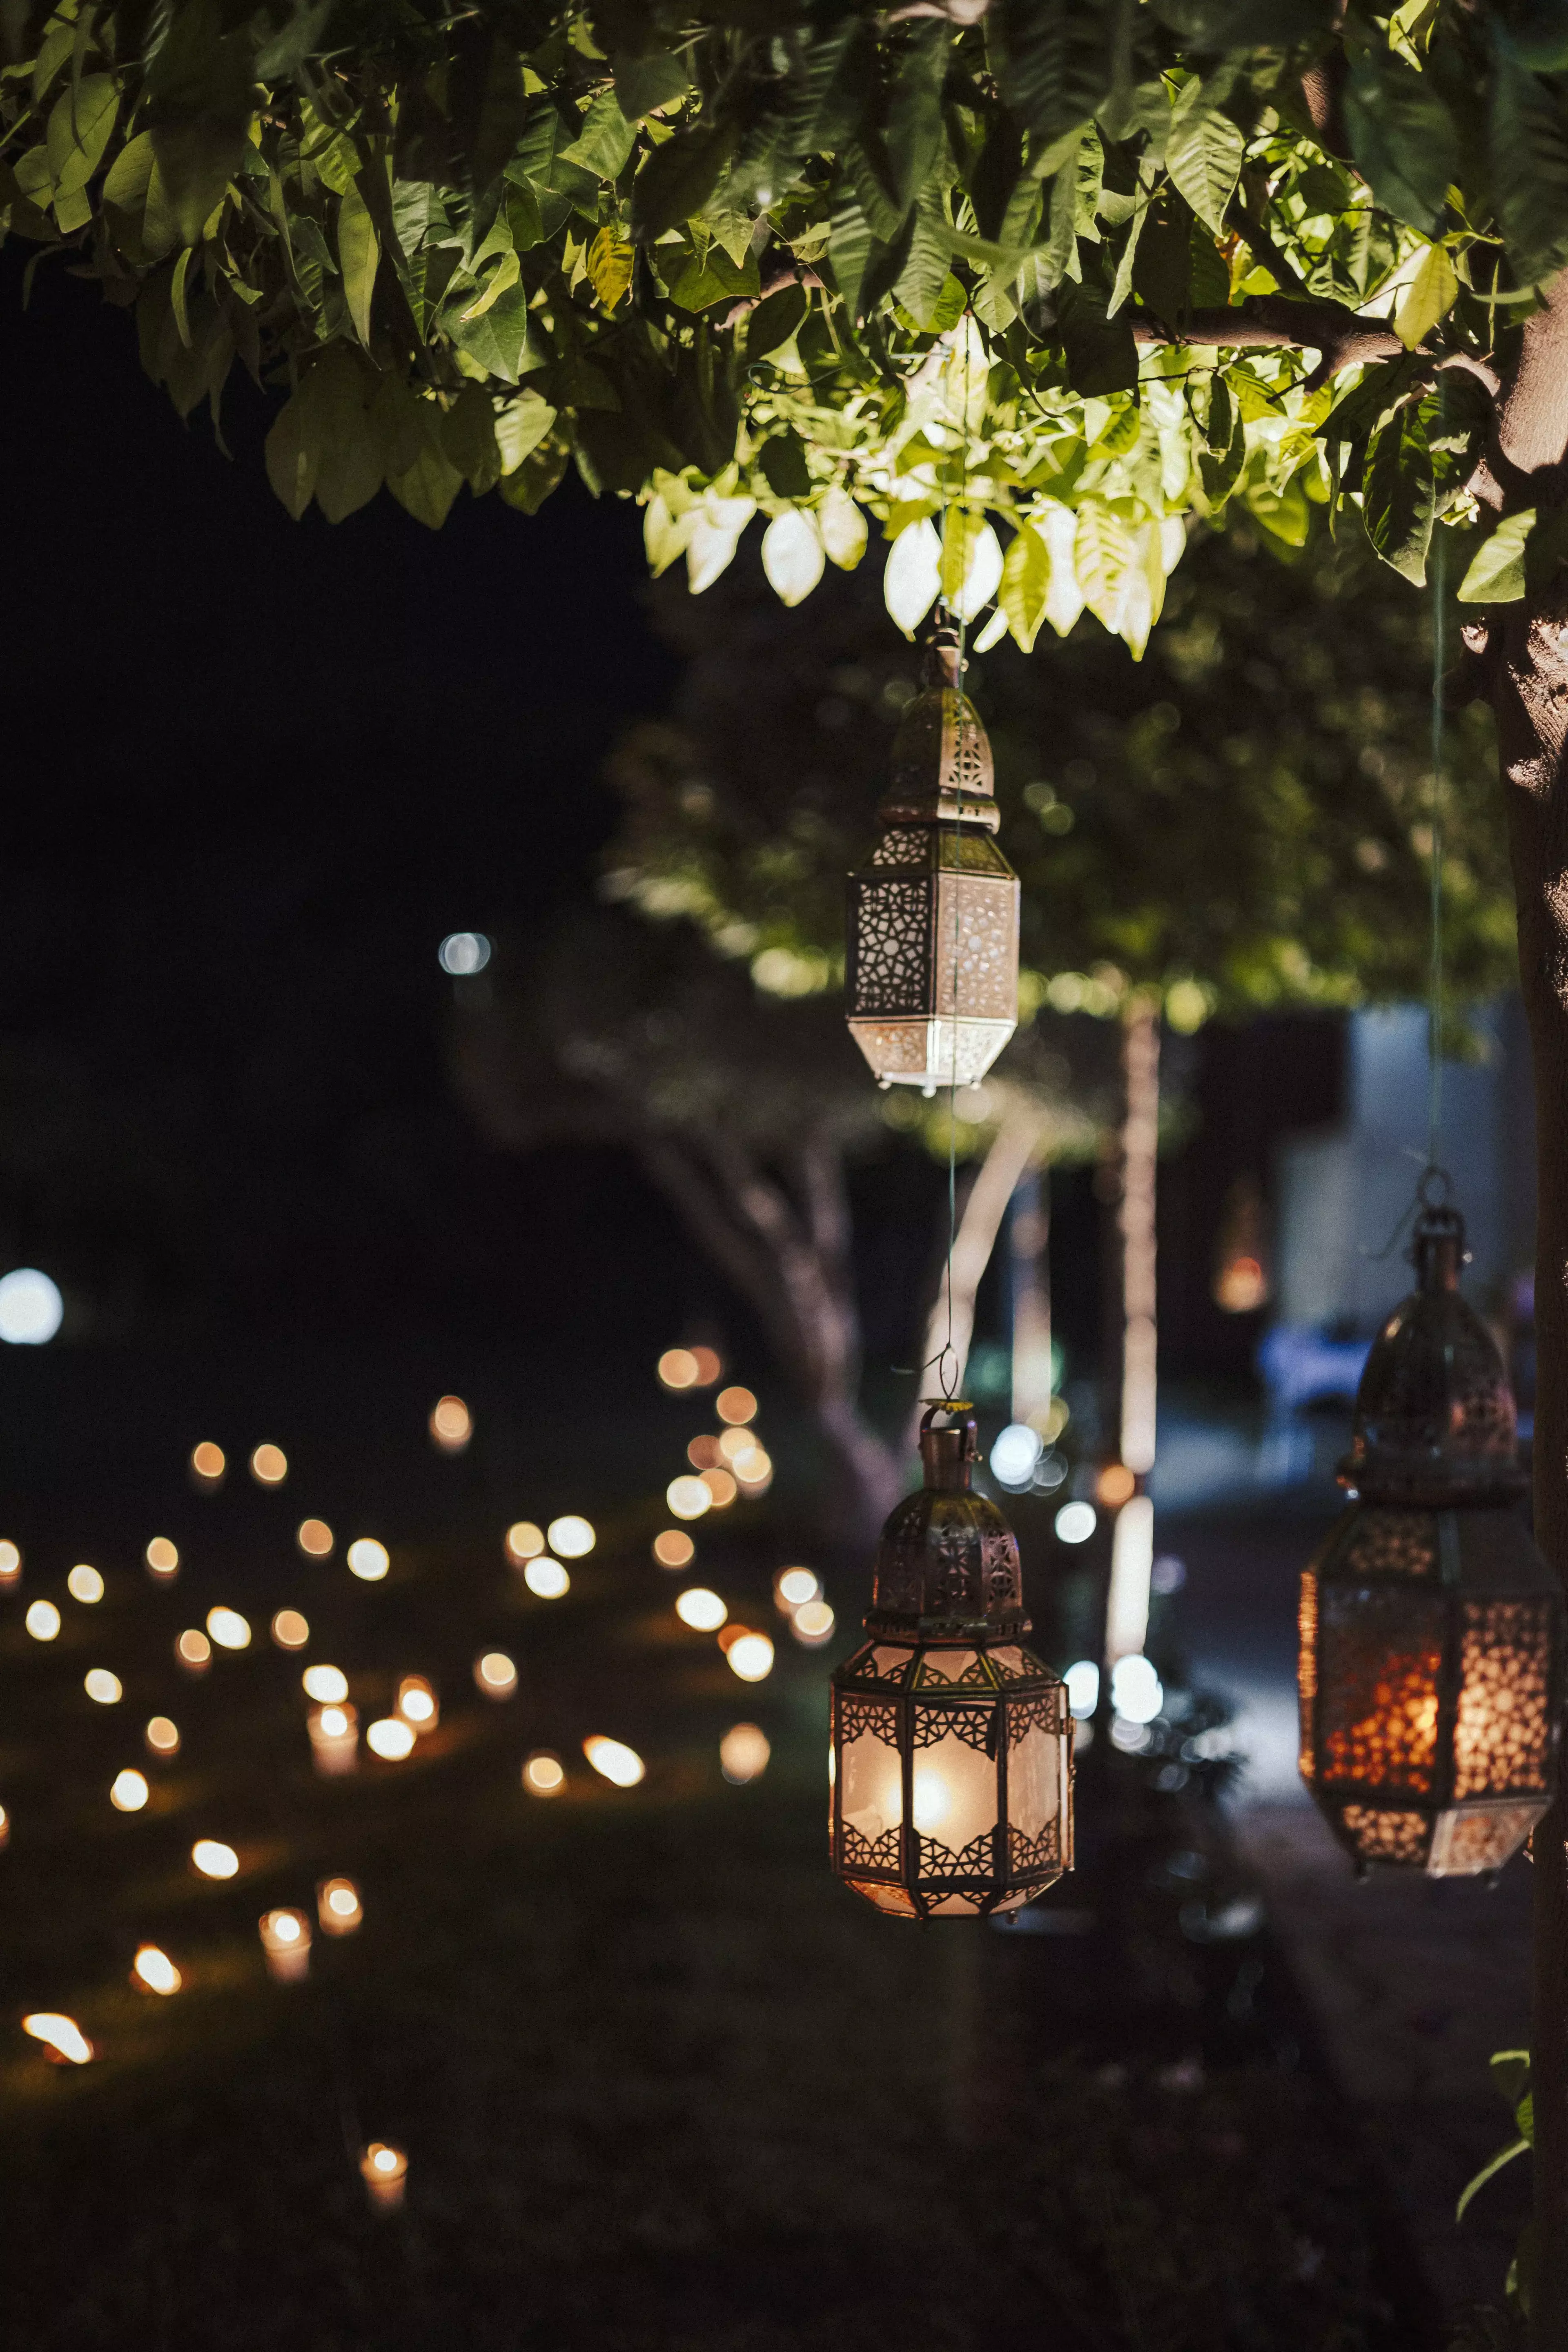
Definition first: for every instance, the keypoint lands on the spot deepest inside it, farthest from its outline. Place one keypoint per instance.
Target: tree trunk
(1133, 1540)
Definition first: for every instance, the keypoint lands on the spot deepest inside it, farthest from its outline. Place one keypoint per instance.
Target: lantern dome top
(943, 771)
(1434, 1417)
(947, 1561)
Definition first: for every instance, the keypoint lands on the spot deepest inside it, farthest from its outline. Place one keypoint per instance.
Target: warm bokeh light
(705, 1453)
(286, 1944)
(753, 1471)
(85, 1584)
(546, 1577)
(4, 1827)
(750, 1655)
(314, 1538)
(495, 1674)
(163, 1735)
(338, 1907)
(330, 1684)
(709, 1366)
(334, 1740)
(677, 1369)
(10, 1564)
(1241, 1286)
(613, 1760)
(391, 1738)
(290, 1631)
(228, 1629)
(543, 1774)
(794, 1587)
(1115, 1485)
(209, 1464)
(417, 1703)
(570, 1536)
(42, 1620)
(734, 1443)
(812, 1624)
(722, 1488)
(524, 1540)
(154, 1971)
(269, 1465)
(368, 1559)
(744, 1753)
(688, 1498)
(451, 1424)
(673, 1548)
(736, 1406)
(102, 1688)
(194, 1651)
(701, 1610)
(214, 1859)
(128, 1790)
(63, 2035)
(163, 1558)
(384, 2171)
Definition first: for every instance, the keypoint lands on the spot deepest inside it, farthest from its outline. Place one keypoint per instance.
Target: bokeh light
(701, 1610)
(290, 1631)
(208, 1462)
(1115, 1485)
(1014, 1453)
(736, 1406)
(368, 1559)
(214, 1859)
(709, 1366)
(674, 1549)
(10, 1564)
(543, 1773)
(451, 1424)
(464, 953)
(812, 1624)
(42, 1620)
(722, 1488)
(314, 1538)
(1136, 1692)
(417, 1703)
(4, 1827)
(102, 1688)
(228, 1629)
(1076, 1522)
(161, 1735)
(334, 1740)
(269, 1465)
(570, 1536)
(524, 1541)
(384, 2171)
(705, 1453)
(85, 1584)
(61, 2034)
(613, 1760)
(495, 1674)
(753, 1472)
(286, 1944)
(1082, 1680)
(31, 1307)
(749, 1655)
(338, 1910)
(193, 1651)
(128, 1790)
(154, 1971)
(688, 1498)
(744, 1753)
(390, 1737)
(794, 1587)
(677, 1369)
(328, 1685)
(163, 1558)
(546, 1577)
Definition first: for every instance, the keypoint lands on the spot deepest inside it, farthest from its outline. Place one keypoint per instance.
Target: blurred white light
(796, 1586)
(615, 1761)
(812, 1624)
(752, 1657)
(156, 1970)
(368, 1559)
(228, 1629)
(61, 2033)
(392, 1737)
(128, 1793)
(1135, 1690)
(1076, 1522)
(744, 1753)
(85, 1584)
(42, 1620)
(1014, 1454)
(10, 1563)
(546, 1577)
(524, 1540)
(163, 1735)
(701, 1610)
(328, 1685)
(495, 1674)
(544, 1775)
(463, 953)
(102, 1686)
(290, 1631)
(570, 1536)
(1083, 1686)
(214, 1859)
(30, 1307)
(688, 1498)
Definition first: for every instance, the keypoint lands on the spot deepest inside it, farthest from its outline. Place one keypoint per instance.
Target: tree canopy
(1082, 269)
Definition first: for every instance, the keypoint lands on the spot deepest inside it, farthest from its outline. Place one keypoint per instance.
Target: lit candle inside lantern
(334, 1740)
(85, 1584)
(495, 1674)
(4, 1827)
(193, 1651)
(162, 1559)
(154, 1972)
(10, 1566)
(384, 2171)
(62, 2037)
(543, 1774)
(418, 1703)
(451, 1424)
(290, 1631)
(162, 1735)
(286, 1944)
(207, 1466)
(338, 1907)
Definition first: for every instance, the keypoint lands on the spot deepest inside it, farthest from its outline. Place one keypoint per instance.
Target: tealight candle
(384, 2171)
(286, 1944)
(334, 1740)
(338, 1907)
(418, 1703)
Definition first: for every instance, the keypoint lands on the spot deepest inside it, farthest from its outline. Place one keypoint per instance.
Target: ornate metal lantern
(933, 967)
(1431, 1627)
(951, 1743)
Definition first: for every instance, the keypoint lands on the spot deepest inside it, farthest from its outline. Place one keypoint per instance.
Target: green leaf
(134, 187)
(925, 283)
(1399, 496)
(1504, 2156)
(1053, 65)
(196, 160)
(1510, 2075)
(782, 460)
(610, 264)
(913, 135)
(1495, 575)
(507, 272)
(341, 388)
(1103, 555)
(468, 439)
(1430, 296)
(1203, 149)
(849, 249)
(498, 338)
(79, 125)
(521, 426)
(294, 451)
(703, 284)
(644, 83)
(1101, 355)
(606, 139)
(538, 474)
(960, 529)
(1402, 138)
(359, 251)
(843, 529)
(426, 490)
(1527, 153)
(774, 320)
(678, 180)
(1026, 585)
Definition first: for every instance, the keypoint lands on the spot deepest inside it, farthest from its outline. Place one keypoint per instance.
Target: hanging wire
(947, 1357)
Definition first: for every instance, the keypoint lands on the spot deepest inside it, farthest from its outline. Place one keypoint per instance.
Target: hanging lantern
(951, 1743)
(1431, 1628)
(932, 976)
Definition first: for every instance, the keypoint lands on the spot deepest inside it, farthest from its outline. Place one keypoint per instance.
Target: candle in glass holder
(338, 1907)
(286, 1944)
(334, 1738)
(418, 1703)
(384, 2171)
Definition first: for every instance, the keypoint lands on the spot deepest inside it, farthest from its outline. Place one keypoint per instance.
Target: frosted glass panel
(873, 1786)
(1034, 1780)
(954, 1804)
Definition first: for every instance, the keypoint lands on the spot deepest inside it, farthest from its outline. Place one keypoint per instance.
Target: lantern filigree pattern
(931, 974)
(1431, 1628)
(952, 1742)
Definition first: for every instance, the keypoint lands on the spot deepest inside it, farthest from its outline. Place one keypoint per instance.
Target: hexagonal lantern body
(931, 971)
(952, 1742)
(1431, 1658)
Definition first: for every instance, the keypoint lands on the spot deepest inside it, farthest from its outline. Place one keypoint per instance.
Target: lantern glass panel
(1033, 1778)
(1503, 1734)
(1482, 1837)
(1379, 1656)
(888, 1663)
(1380, 1834)
(954, 1777)
(950, 1666)
(873, 1786)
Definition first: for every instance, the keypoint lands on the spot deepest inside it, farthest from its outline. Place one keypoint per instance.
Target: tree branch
(1280, 322)
(792, 273)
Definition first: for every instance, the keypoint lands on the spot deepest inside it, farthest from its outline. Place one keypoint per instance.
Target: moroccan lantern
(932, 976)
(1431, 1628)
(951, 1743)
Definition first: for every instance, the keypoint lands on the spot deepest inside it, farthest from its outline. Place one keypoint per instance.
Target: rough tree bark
(1522, 652)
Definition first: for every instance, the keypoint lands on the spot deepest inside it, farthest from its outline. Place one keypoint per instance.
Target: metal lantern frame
(945, 1660)
(1431, 1673)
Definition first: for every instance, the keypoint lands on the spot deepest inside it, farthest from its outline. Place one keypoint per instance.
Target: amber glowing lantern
(951, 1743)
(1431, 1627)
(932, 978)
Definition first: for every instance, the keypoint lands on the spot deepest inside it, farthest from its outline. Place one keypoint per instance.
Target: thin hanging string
(947, 1358)
(1434, 1008)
